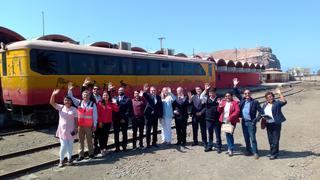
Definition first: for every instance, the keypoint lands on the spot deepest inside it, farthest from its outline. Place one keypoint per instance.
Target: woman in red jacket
(105, 108)
(229, 110)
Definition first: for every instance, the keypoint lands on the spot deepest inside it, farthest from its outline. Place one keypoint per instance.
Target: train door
(3, 70)
(211, 73)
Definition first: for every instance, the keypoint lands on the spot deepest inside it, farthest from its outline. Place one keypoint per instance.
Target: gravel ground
(23, 141)
(299, 154)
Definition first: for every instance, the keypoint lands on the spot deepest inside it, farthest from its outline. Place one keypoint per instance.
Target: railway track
(53, 148)
(48, 149)
(16, 132)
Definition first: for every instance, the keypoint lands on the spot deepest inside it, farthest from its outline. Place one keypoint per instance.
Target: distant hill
(262, 55)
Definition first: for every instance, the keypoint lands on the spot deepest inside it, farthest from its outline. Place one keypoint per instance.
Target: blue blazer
(254, 106)
(276, 111)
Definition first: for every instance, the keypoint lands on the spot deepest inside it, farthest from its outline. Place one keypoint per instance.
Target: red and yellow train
(31, 69)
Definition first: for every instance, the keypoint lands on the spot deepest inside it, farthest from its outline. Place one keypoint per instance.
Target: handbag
(227, 128)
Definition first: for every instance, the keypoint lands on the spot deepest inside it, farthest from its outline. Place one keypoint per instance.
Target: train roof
(69, 47)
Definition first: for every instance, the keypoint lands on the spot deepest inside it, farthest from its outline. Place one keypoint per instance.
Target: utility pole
(84, 40)
(42, 23)
(236, 54)
(161, 38)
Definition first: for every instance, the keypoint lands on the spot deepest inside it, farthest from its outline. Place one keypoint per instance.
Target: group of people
(91, 118)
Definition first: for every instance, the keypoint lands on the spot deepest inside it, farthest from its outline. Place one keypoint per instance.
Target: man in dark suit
(198, 116)
(152, 112)
(121, 119)
(180, 111)
(249, 108)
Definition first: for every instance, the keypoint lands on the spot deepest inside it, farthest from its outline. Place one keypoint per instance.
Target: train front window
(48, 62)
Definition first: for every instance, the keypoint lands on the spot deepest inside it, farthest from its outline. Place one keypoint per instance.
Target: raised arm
(173, 97)
(203, 96)
(75, 101)
(52, 98)
(235, 88)
(282, 98)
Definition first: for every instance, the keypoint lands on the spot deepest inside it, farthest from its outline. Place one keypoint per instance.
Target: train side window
(126, 66)
(153, 67)
(165, 68)
(81, 64)
(108, 65)
(177, 68)
(48, 62)
(4, 64)
(188, 69)
(140, 67)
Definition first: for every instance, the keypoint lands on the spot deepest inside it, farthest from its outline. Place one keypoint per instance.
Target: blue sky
(290, 27)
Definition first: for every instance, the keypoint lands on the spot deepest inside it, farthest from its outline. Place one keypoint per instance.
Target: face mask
(121, 94)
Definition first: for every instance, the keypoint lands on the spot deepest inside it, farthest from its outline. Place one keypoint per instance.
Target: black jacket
(254, 106)
(125, 108)
(153, 109)
(197, 106)
(181, 105)
(212, 113)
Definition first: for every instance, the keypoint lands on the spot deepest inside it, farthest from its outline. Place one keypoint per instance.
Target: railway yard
(33, 154)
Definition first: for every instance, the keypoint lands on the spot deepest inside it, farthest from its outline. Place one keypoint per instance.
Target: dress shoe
(195, 144)
(80, 158)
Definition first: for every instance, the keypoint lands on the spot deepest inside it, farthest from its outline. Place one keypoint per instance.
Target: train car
(248, 74)
(31, 69)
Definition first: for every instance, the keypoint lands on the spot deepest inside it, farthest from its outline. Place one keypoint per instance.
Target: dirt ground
(298, 159)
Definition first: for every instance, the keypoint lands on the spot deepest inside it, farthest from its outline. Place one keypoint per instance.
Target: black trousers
(196, 120)
(214, 127)
(103, 134)
(137, 123)
(181, 128)
(152, 123)
(274, 131)
(95, 142)
(123, 127)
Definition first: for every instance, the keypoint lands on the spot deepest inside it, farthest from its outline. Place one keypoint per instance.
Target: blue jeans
(249, 130)
(230, 140)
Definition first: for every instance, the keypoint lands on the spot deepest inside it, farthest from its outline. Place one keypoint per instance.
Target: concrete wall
(309, 78)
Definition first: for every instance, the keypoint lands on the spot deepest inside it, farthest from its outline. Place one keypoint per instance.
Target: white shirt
(268, 111)
(167, 106)
(226, 111)
(155, 99)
